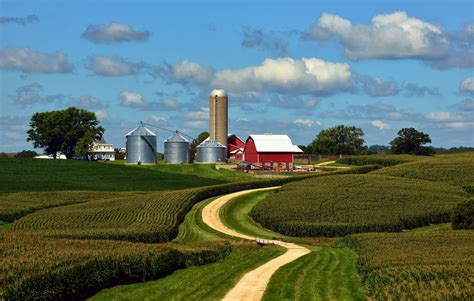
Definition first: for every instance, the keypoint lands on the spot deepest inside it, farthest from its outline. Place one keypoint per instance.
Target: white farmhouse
(103, 151)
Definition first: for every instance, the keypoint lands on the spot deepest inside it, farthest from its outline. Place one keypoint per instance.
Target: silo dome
(176, 149)
(218, 92)
(211, 151)
(141, 146)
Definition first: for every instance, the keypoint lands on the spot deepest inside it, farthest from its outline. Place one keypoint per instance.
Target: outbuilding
(235, 147)
(269, 148)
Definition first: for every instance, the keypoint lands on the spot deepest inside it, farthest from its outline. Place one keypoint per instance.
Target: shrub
(463, 215)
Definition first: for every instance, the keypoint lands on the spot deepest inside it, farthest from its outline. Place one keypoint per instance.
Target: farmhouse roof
(274, 143)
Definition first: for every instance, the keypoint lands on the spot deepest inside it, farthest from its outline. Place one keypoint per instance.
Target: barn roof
(274, 143)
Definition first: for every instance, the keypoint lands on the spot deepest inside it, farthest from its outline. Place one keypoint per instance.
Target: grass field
(343, 204)
(380, 159)
(325, 274)
(420, 265)
(38, 268)
(209, 282)
(59, 175)
(455, 169)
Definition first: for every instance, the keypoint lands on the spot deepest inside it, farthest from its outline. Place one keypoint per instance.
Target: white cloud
(445, 117)
(112, 66)
(306, 122)
(467, 85)
(102, 115)
(27, 60)
(380, 125)
(377, 87)
(201, 115)
(287, 75)
(113, 33)
(389, 36)
(186, 71)
(132, 99)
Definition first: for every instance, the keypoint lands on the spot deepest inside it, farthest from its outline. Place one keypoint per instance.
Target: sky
(289, 67)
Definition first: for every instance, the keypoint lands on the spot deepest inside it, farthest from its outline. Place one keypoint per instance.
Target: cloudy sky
(289, 67)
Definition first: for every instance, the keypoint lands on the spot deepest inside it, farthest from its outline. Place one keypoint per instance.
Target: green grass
(344, 204)
(325, 274)
(432, 228)
(416, 265)
(59, 175)
(209, 282)
(380, 159)
(4, 226)
(193, 229)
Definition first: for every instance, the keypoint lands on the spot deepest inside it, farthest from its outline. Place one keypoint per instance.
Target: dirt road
(252, 285)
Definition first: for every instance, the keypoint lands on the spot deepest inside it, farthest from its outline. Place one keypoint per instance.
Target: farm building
(102, 151)
(269, 148)
(235, 147)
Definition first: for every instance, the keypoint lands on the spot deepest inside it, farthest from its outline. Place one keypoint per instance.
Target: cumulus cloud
(465, 105)
(374, 111)
(114, 33)
(28, 94)
(457, 58)
(377, 87)
(389, 36)
(307, 122)
(132, 99)
(136, 100)
(287, 75)
(261, 40)
(467, 86)
(380, 125)
(465, 37)
(185, 72)
(27, 60)
(19, 20)
(113, 66)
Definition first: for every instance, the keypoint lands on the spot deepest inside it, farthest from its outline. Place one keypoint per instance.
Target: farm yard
(100, 235)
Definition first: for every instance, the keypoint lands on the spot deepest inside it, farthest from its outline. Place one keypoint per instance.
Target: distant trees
(411, 141)
(193, 147)
(340, 139)
(71, 131)
(26, 154)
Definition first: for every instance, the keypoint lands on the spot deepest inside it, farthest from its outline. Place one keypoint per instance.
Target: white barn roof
(274, 143)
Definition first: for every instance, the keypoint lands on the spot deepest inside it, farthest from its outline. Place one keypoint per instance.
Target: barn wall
(276, 157)
(250, 152)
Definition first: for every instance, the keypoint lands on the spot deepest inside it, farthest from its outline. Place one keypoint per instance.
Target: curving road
(252, 285)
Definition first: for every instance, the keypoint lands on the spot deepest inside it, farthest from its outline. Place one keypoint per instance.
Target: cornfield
(415, 266)
(382, 159)
(39, 268)
(345, 204)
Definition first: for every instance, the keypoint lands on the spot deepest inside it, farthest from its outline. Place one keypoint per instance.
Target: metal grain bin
(211, 152)
(141, 146)
(176, 149)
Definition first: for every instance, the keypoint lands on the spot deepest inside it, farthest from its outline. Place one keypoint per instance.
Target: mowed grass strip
(38, 268)
(344, 204)
(209, 282)
(59, 175)
(436, 265)
(325, 274)
(193, 229)
(455, 169)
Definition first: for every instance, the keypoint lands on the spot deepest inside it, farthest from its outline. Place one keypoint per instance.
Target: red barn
(269, 149)
(235, 147)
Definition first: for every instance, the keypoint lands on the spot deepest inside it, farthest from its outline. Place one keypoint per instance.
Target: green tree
(192, 148)
(341, 139)
(411, 141)
(62, 130)
(463, 216)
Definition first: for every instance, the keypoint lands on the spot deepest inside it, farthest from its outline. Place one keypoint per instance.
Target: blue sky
(289, 67)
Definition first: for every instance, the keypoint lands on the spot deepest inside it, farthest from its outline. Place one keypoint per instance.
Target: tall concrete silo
(141, 146)
(176, 149)
(218, 107)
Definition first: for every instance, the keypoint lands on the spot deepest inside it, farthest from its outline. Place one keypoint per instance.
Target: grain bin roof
(218, 93)
(176, 138)
(140, 130)
(274, 143)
